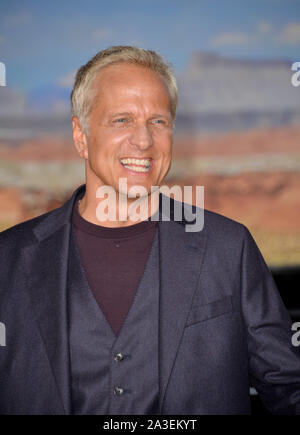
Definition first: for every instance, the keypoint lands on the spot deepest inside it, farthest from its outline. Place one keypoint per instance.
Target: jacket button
(118, 357)
(118, 391)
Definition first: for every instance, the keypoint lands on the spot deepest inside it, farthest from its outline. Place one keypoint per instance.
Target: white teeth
(144, 162)
(137, 168)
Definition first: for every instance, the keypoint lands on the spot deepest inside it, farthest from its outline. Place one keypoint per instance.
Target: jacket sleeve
(274, 362)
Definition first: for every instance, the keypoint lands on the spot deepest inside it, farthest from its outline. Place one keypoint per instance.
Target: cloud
(264, 31)
(290, 34)
(101, 34)
(230, 38)
(264, 27)
(67, 80)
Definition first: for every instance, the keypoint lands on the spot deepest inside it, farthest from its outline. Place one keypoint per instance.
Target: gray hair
(83, 96)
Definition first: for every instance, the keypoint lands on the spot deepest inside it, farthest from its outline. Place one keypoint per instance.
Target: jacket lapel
(181, 255)
(48, 292)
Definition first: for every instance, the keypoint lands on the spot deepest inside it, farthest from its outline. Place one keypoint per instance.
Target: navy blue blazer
(222, 326)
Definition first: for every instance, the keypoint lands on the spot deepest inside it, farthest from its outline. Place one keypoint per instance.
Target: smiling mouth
(136, 165)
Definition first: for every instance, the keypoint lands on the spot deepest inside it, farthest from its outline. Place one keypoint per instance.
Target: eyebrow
(155, 115)
(159, 115)
(120, 114)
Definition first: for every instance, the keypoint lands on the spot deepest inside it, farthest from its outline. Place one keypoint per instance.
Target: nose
(141, 137)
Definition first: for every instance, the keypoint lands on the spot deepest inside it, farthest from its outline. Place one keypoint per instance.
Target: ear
(79, 138)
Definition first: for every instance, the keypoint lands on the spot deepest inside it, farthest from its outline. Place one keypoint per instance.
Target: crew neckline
(107, 232)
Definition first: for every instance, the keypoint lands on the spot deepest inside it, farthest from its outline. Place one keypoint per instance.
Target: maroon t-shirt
(114, 260)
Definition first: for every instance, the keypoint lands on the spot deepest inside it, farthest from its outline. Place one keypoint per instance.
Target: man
(137, 316)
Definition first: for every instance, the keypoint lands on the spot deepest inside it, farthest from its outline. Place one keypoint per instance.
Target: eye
(159, 121)
(120, 120)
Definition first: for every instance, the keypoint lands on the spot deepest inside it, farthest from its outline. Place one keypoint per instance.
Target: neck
(118, 211)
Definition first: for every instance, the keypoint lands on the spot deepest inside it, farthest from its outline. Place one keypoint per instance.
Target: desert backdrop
(250, 176)
(237, 134)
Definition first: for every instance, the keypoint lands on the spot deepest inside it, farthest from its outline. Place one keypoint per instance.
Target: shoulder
(22, 232)
(41, 226)
(213, 224)
(219, 224)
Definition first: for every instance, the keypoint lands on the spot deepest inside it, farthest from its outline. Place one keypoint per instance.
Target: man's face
(131, 130)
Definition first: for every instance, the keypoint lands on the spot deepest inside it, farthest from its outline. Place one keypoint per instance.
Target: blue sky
(44, 42)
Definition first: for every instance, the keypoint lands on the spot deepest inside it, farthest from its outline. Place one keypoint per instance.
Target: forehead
(124, 80)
